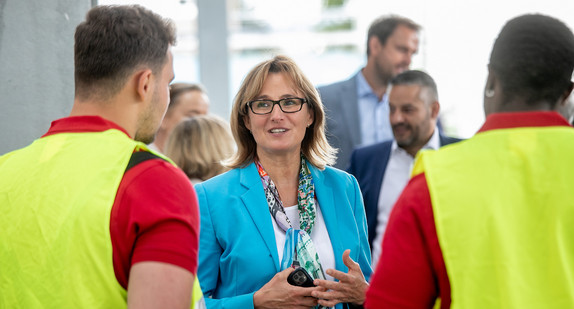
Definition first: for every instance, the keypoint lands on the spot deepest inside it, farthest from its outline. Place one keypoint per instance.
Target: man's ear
(144, 81)
(435, 109)
(374, 44)
(490, 80)
(564, 98)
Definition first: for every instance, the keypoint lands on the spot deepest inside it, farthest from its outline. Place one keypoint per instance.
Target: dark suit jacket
(342, 118)
(368, 164)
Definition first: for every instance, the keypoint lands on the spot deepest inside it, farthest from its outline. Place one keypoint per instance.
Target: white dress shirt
(396, 177)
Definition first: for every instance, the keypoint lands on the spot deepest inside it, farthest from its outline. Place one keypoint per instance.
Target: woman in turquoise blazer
(281, 150)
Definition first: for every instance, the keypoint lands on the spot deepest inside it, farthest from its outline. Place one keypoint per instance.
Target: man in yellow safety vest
(489, 222)
(90, 217)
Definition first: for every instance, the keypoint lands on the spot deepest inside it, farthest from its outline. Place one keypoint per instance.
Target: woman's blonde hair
(199, 145)
(314, 146)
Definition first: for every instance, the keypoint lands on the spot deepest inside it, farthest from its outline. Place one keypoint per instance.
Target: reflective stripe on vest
(503, 203)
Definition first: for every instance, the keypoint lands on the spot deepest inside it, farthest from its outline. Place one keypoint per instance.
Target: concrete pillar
(36, 66)
(214, 54)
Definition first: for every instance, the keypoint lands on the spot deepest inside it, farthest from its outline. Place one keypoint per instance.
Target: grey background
(36, 66)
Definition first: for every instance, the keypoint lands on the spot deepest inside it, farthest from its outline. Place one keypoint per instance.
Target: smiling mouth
(277, 130)
(398, 129)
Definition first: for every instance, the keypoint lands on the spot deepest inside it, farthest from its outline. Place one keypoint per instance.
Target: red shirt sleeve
(411, 272)
(155, 217)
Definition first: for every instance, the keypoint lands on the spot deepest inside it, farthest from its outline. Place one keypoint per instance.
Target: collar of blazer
(254, 201)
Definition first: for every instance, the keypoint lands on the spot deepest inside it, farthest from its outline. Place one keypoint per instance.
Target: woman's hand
(278, 293)
(351, 287)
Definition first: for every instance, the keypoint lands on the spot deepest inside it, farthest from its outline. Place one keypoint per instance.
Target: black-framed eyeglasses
(287, 105)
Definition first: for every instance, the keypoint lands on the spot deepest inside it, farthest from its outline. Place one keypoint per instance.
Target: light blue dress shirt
(374, 114)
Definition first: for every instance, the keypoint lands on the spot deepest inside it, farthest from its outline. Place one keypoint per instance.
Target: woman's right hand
(278, 293)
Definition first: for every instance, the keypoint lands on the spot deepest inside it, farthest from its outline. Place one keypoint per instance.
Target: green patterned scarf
(299, 248)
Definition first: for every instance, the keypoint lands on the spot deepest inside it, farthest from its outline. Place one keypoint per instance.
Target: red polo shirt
(155, 216)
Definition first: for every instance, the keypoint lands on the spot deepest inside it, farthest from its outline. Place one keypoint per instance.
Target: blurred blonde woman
(199, 144)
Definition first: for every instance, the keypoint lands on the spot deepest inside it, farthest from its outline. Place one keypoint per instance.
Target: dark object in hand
(300, 277)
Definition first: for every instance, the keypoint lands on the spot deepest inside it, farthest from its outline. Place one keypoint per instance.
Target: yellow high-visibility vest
(503, 203)
(56, 198)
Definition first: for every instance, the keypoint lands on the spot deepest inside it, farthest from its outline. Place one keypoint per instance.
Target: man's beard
(146, 139)
(146, 126)
(408, 140)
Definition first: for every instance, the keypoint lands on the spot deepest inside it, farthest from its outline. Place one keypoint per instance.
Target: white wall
(36, 55)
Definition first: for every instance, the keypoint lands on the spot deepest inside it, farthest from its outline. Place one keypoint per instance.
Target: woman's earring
(489, 93)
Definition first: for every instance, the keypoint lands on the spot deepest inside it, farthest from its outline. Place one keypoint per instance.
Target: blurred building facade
(36, 66)
(219, 41)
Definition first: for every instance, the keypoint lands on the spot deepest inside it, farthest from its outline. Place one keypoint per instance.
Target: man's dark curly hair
(533, 58)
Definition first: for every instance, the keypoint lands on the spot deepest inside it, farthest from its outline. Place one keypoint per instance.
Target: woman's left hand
(351, 287)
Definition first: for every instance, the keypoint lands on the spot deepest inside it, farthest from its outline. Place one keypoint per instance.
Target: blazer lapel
(442, 140)
(379, 167)
(445, 140)
(377, 173)
(256, 204)
(326, 198)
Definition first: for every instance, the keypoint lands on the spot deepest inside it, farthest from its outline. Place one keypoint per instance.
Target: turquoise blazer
(237, 249)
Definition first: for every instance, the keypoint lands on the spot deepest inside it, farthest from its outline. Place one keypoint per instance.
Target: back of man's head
(533, 58)
(113, 42)
(384, 26)
(415, 77)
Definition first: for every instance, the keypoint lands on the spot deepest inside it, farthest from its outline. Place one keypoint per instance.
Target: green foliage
(333, 3)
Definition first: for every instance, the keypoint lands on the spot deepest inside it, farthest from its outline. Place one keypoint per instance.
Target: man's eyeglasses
(288, 105)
